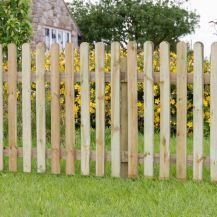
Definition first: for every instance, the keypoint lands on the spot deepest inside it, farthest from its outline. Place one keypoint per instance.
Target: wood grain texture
(40, 107)
(100, 109)
(148, 110)
(12, 106)
(198, 112)
(124, 118)
(69, 109)
(181, 125)
(1, 112)
(140, 77)
(115, 109)
(85, 109)
(124, 156)
(26, 107)
(164, 110)
(132, 111)
(55, 109)
(213, 114)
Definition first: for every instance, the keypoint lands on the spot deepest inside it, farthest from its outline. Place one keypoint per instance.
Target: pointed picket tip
(26, 46)
(40, 46)
(214, 46)
(181, 45)
(149, 43)
(12, 46)
(132, 45)
(84, 45)
(115, 44)
(55, 45)
(198, 47)
(198, 43)
(164, 45)
(100, 43)
(69, 45)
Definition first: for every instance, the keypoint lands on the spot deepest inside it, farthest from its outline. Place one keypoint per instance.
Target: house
(52, 22)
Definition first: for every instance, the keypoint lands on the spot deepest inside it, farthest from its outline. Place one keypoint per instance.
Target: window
(53, 35)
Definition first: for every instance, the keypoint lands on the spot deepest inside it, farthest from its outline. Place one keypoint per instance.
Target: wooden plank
(115, 110)
(26, 107)
(132, 111)
(140, 77)
(181, 126)
(12, 106)
(124, 118)
(40, 107)
(198, 112)
(70, 117)
(55, 109)
(164, 110)
(1, 111)
(124, 158)
(100, 109)
(85, 109)
(148, 110)
(213, 114)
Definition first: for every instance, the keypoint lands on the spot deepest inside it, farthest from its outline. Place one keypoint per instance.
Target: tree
(124, 20)
(15, 25)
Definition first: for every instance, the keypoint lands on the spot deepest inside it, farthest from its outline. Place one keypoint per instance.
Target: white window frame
(63, 32)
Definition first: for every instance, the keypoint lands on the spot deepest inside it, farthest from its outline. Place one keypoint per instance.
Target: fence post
(55, 109)
(40, 108)
(12, 106)
(115, 110)
(124, 118)
(132, 110)
(181, 126)
(1, 111)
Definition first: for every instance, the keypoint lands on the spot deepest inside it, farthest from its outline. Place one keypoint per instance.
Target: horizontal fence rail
(92, 77)
(123, 77)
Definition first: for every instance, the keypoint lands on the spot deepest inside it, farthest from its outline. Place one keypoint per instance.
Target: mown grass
(48, 195)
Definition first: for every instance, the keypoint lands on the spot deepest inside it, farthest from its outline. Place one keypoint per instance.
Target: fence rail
(124, 155)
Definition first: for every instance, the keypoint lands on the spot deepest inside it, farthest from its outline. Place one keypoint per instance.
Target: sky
(205, 32)
(207, 9)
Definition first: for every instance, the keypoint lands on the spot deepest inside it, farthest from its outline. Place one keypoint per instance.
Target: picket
(132, 110)
(26, 107)
(1, 111)
(85, 109)
(198, 112)
(148, 110)
(40, 108)
(124, 118)
(100, 110)
(124, 78)
(181, 127)
(55, 109)
(115, 109)
(164, 110)
(70, 117)
(12, 106)
(213, 114)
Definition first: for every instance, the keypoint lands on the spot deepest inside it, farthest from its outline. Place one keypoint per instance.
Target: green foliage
(123, 20)
(15, 25)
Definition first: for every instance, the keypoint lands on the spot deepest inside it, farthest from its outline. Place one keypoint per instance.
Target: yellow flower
(172, 102)
(190, 124)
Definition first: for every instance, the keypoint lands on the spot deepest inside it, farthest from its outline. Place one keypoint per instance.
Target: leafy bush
(15, 25)
(140, 60)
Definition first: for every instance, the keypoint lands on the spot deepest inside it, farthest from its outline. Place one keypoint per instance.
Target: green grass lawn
(49, 195)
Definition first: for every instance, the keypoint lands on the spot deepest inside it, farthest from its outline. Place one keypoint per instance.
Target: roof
(79, 31)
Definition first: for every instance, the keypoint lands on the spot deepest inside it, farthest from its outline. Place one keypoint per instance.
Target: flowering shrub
(140, 58)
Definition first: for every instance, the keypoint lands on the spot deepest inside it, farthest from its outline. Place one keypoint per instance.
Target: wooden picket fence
(124, 156)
